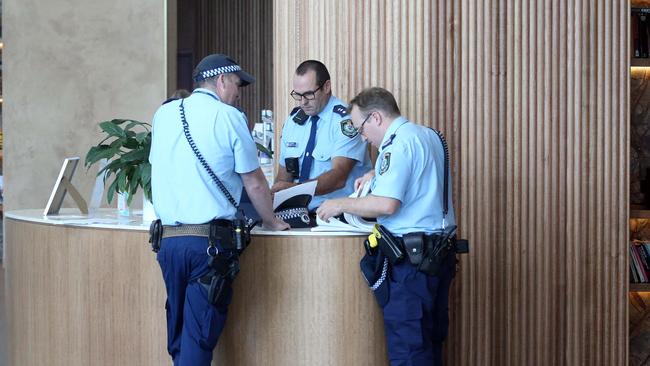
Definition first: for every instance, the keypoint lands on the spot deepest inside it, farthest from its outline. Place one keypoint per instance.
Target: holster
(223, 270)
(234, 236)
(387, 244)
(437, 247)
(155, 235)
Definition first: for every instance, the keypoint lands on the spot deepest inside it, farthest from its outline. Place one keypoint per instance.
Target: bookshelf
(639, 287)
(639, 214)
(640, 62)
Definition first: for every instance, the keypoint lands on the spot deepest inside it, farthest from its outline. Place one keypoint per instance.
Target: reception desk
(88, 291)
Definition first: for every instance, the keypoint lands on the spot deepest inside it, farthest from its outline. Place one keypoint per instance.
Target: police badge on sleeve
(385, 163)
(348, 129)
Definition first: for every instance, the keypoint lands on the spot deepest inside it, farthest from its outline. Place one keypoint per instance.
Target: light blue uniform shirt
(182, 190)
(331, 142)
(410, 168)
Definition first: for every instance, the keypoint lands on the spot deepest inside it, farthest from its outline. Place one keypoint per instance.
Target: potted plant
(126, 146)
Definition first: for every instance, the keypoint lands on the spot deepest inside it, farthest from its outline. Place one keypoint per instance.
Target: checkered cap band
(220, 70)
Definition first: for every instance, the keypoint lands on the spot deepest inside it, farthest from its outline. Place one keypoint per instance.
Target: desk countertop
(107, 218)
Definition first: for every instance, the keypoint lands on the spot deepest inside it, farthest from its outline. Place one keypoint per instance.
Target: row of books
(639, 261)
(640, 31)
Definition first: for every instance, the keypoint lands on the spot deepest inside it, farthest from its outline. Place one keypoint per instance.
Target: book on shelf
(348, 222)
(639, 261)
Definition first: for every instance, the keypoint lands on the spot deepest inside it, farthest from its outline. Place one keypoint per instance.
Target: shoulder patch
(293, 111)
(341, 110)
(348, 129)
(385, 163)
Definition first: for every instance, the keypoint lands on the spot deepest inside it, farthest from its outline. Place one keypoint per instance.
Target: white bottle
(267, 161)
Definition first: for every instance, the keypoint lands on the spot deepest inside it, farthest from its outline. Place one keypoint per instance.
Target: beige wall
(68, 65)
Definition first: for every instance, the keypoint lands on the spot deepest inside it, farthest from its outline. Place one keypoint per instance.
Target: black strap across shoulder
(204, 163)
(445, 190)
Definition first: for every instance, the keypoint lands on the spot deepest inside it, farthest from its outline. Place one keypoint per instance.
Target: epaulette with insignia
(341, 110)
(388, 142)
(293, 111)
(169, 100)
(301, 117)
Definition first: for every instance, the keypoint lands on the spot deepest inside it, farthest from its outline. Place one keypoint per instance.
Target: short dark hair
(376, 99)
(322, 75)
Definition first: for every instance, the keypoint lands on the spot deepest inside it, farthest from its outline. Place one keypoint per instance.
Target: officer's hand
(329, 208)
(280, 185)
(359, 182)
(276, 225)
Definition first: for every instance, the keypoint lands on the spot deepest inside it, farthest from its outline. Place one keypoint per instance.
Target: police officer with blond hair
(407, 198)
(196, 142)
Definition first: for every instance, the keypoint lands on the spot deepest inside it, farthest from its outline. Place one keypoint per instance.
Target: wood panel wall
(241, 29)
(533, 97)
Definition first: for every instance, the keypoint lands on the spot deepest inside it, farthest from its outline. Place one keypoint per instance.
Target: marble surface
(110, 219)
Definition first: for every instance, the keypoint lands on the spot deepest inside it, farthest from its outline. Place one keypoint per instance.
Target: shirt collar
(207, 91)
(328, 107)
(390, 133)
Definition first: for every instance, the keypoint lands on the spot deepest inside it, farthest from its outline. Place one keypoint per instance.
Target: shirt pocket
(323, 152)
(293, 150)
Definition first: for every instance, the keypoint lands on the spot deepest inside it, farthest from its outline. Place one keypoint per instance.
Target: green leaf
(263, 149)
(112, 129)
(131, 143)
(142, 136)
(96, 153)
(134, 155)
(121, 181)
(146, 172)
(111, 191)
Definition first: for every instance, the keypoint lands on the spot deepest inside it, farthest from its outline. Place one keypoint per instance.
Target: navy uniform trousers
(416, 316)
(193, 324)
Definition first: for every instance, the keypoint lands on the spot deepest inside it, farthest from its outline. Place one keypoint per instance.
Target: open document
(285, 196)
(350, 222)
(294, 197)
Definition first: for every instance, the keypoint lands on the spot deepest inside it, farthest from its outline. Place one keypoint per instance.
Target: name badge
(292, 144)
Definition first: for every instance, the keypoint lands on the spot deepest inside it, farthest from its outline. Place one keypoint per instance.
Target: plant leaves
(112, 129)
(121, 180)
(142, 136)
(96, 153)
(264, 150)
(110, 192)
(133, 155)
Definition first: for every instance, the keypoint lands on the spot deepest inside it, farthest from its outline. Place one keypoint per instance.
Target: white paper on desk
(283, 195)
(354, 222)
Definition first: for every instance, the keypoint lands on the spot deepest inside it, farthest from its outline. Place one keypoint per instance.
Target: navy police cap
(218, 63)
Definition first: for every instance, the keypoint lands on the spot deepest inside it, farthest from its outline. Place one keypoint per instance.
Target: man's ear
(327, 87)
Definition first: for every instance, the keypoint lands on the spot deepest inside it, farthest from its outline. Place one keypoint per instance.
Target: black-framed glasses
(309, 95)
(360, 129)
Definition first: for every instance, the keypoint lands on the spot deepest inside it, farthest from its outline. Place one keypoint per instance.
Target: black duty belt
(202, 230)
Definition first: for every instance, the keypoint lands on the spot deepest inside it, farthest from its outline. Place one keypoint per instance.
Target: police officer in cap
(318, 140)
(185, 197)
(406, 197)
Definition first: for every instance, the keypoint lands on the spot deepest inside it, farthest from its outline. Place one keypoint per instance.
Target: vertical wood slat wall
(533, 97)
(242, 30)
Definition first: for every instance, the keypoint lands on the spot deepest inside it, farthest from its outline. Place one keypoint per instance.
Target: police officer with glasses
(197, 142)
(407, 195)
(318, 140)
